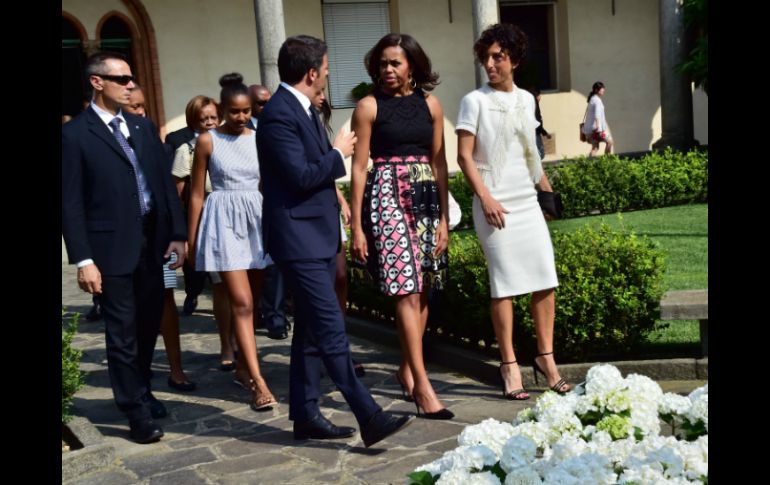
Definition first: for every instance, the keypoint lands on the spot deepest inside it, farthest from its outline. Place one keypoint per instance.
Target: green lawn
(682, 232)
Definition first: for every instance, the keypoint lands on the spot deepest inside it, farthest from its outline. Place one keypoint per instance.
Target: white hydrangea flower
(524, 416)
(669, 459)
(569, 446)
(642, 474)
(585, 469)
(674, 404)
(467, 458)
(602, 379)
(537, 432)
(699, 411)
(490, 432)
(517, 452)
(483, 478)
(523, 476)
(698, 392)
(696, 457)
(454, 477)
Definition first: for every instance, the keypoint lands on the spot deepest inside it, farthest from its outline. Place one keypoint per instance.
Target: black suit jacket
(298, 167)
(177, 138)
(100, 211)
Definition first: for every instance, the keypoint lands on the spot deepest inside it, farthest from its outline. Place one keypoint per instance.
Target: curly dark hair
(422, 72)
(512, 40)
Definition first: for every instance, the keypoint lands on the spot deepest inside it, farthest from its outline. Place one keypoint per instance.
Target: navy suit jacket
(298, 167)
(100, 211)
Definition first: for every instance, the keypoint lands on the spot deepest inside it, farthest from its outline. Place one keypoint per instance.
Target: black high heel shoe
(536, 368)
(404, 394)
(440, 414)
(516, 394)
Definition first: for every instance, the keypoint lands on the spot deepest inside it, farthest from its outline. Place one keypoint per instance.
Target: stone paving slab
(213, 437)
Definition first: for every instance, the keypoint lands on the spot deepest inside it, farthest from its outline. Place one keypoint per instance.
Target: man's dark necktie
(123, 142)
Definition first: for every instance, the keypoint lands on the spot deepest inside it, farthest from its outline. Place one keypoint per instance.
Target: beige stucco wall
(198, 41)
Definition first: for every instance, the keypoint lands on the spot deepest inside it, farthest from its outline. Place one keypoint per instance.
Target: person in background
(595, 128)
(169, 323)
(497, 153)
(202, 114)
(272, 305)
(540, 132)
(121, 218)
(400, 211)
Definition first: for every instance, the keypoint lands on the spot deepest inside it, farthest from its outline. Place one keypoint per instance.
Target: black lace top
(403, 126)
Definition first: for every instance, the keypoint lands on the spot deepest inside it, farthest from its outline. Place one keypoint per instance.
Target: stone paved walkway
(213, 437)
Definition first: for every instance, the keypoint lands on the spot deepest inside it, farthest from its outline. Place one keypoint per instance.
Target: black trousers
(132, 307)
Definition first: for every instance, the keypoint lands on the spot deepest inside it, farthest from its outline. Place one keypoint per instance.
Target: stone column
(675, 89)
(485, 13)
(270, 35)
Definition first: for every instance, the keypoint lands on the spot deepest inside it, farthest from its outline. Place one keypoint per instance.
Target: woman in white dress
(595, 127)
(225, 235)
(498, 155)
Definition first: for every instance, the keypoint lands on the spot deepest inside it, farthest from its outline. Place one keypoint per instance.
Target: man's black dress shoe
(382, 425)
(145, 431)
(278, 334)
(320, 428)
(181, 386)
(157, 409)
(189, 306)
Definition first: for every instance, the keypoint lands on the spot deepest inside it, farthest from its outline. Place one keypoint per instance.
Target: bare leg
(502, 322)
(169, 329)
(608, 147)
(242, 287)
(543, 311)
(594, 148)
(409, 310)
(224, 323)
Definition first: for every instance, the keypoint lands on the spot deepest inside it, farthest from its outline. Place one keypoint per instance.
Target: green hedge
(71, 377)
(610, 285)
(610, 184)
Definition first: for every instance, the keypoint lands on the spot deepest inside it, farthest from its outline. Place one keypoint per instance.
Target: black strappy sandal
(536, 368)
(516, 394)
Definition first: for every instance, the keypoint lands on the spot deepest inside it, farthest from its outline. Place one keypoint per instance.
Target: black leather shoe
(94, 314)
(382, 425)
(320, 428)
(145, 431)
(278, 334)
(185, 386)
(157, 409)
(189, 306)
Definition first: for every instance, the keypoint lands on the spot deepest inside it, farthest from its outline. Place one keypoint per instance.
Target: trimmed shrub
(607, 184)
(610, 285)
(71, 377)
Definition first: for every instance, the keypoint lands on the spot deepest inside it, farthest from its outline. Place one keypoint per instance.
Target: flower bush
(607, 431)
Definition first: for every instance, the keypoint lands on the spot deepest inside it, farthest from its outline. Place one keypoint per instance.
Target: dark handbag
(550, 202)
(582, 135)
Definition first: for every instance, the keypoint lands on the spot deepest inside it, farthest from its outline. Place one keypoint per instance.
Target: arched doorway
(74, 85)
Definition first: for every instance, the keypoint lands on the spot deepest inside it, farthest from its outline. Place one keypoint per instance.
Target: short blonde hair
(194, 108)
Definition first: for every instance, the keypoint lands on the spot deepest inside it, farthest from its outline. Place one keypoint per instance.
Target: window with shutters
(351, 29)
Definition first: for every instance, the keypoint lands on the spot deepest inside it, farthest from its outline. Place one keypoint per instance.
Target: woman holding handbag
(595, 126)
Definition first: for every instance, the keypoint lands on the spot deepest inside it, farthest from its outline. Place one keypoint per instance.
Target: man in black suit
(121, 218)
(301, 230)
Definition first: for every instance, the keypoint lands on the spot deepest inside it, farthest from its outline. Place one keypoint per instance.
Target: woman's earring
(412, 82)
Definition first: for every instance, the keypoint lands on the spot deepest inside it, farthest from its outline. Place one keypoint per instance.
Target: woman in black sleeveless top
(399, 212)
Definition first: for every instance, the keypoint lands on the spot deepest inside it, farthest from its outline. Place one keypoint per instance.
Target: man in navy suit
(301, 230)
(121, 218)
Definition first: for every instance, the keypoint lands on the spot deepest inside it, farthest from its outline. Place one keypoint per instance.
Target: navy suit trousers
(319, 337)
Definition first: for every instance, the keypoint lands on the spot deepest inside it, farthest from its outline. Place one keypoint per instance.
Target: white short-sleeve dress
(520, 256)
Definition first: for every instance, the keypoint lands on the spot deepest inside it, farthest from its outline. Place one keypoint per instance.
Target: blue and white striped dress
(230, 234)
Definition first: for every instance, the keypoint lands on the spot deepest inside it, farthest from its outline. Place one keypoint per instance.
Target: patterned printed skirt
(400, 217)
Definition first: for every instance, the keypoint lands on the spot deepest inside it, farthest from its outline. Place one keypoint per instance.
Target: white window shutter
(350, 30)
